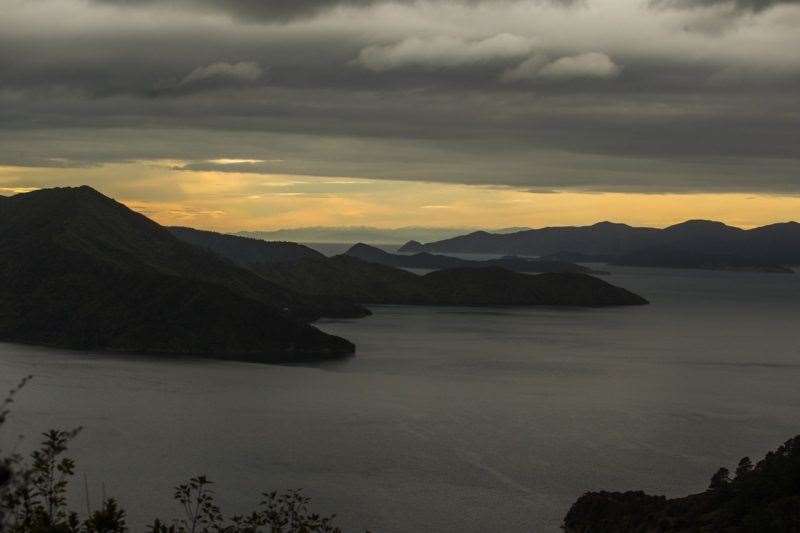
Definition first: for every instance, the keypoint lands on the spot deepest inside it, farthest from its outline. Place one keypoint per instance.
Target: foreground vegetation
(33, 499)
(760, 498)
(755, 498)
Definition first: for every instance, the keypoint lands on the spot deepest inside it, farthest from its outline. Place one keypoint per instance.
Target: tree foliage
(760, 498)
(33, 499)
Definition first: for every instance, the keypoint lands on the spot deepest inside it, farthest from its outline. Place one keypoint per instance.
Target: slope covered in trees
(79, 270)
(362, 275)
(244, 250)
(364, 282)
(760, 498)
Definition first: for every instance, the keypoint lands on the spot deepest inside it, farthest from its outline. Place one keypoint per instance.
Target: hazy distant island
(368, 234)
(692, 244)
(764, 497)
(425, 260)
(80, 270)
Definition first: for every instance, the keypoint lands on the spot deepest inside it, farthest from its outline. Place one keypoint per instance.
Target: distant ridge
(363, 276)
(80, 270)
(425, 260)
(709, 242)
(367, 234)
(369, 282)
(244, 250)
(348, 234)
(603, 237)
(349, 277)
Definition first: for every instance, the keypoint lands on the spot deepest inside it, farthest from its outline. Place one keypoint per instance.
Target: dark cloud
(753, 6)
(259, 11)
(216, 76)
(576, 101)
(731, 148)
(250, 10)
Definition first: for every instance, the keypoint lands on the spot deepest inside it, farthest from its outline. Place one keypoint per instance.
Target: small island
(369, 283)
(428, 261)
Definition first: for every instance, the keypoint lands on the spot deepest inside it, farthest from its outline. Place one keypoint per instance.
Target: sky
(264, 114)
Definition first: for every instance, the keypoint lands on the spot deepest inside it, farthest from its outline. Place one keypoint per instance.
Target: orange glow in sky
(226, 201)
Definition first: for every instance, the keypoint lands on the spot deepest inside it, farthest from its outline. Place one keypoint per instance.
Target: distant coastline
(700, 244)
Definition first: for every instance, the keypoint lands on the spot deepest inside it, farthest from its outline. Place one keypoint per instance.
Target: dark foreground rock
(764, 498)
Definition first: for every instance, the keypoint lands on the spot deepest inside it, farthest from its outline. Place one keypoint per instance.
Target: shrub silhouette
(761, 498)
(33, 499)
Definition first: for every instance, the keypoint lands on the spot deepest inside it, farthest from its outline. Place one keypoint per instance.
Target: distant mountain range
(369, 283)
(367, 234)
(360, 276)
(691, 244)
(245, 250)
(80, 270)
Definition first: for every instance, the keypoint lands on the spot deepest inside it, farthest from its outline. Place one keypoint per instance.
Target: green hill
(79, 270)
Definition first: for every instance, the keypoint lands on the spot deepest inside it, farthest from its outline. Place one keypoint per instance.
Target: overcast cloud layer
(601, 95)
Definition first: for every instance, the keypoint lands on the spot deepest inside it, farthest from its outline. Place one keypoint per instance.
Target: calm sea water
(448, 419)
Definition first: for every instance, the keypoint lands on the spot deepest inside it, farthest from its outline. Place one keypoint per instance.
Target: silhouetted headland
(764, 497)
(367, 282)
(425, 260)
(692, 244)
(80, 270)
